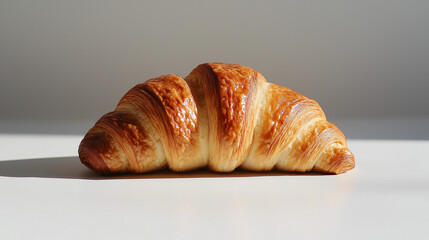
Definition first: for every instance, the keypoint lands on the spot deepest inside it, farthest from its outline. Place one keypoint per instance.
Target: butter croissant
(221, 116)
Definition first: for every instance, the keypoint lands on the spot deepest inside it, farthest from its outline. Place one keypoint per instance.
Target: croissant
(221, 116)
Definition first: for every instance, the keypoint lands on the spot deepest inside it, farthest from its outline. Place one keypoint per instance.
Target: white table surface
(46, 193)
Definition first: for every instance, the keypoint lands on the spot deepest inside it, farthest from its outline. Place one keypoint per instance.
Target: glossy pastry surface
(221, 116)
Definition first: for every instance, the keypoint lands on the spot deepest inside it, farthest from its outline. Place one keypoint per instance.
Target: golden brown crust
(174, 96)
(222, 116)
(168, 103)
(231, 94)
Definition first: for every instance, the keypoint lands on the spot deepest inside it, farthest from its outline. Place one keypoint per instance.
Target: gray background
(65, 63)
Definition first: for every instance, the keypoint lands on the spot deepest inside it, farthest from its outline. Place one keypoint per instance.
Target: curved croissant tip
(346, 163)
(91, 159)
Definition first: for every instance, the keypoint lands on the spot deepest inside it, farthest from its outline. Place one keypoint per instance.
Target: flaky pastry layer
(221, 116)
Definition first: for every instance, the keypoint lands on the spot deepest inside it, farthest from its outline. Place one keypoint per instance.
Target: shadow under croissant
(72, 168)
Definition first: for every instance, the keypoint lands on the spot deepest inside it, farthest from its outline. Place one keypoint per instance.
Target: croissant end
(345, 162)
(93, 147)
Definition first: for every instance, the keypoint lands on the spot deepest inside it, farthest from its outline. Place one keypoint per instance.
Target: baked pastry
(221, 116)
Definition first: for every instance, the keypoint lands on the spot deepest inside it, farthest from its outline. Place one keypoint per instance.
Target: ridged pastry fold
(221, 116)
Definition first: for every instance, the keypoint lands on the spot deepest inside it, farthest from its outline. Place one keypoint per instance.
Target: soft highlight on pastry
(221, 116)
